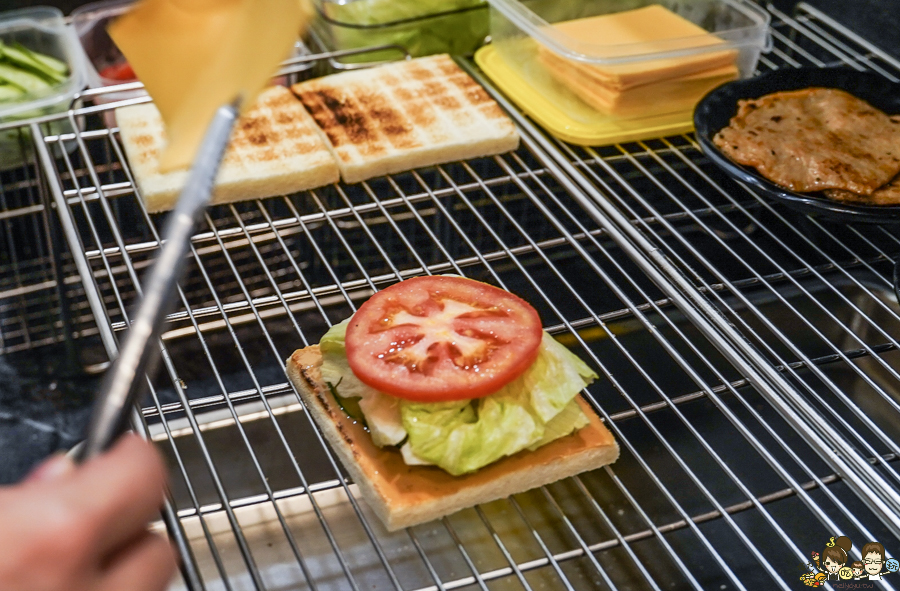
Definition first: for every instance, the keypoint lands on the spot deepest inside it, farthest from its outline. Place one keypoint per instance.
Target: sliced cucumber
(350, 406)
(19, 57)
(51, 63)
(8, 93)
(22, 78)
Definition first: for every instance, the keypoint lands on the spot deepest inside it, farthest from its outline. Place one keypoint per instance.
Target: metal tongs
(123, 382)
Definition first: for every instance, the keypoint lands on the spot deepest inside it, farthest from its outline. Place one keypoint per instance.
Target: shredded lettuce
(570, 418)
(382, 412)
(462, 436)
(408, 23)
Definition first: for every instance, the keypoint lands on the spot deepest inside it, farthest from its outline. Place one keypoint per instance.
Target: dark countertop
(44, 409)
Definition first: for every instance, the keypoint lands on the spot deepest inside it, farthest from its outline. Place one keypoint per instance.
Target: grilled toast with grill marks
(275, 149)
(406, 115)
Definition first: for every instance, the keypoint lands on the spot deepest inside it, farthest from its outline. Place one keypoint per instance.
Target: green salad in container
(422, 27)
(26, 75)
(40, 74)
(24, 72)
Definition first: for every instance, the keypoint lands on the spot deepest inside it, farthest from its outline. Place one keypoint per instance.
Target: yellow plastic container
(553, 116)
(566, 63)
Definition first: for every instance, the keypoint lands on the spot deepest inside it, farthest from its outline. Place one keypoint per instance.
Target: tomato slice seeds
(442, 338)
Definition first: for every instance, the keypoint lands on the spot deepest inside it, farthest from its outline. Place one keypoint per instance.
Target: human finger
(147, 564)
(54, 467)
(119, 492)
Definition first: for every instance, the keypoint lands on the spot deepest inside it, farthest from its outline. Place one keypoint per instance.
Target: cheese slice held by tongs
(200, 60)
(194, 56)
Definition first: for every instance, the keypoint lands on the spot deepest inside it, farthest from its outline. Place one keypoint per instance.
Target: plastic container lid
(739, 24)
(387, 13)
(89, 22)
(43, 29)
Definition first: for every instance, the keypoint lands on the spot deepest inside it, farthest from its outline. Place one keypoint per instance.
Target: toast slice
(406, 115)
(403, 495)
(275, 149)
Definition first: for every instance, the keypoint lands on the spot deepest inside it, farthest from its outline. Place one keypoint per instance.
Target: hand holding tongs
(123, 382)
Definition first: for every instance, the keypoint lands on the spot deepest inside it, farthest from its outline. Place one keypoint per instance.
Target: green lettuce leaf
(382, 12)
(382, 412)
(552, 377)
(462, 436)
(570, 418)
(368, 23)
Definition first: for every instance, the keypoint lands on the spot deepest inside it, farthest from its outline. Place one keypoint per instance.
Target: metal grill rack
(714, 489)
(41, 294)
(811, 299)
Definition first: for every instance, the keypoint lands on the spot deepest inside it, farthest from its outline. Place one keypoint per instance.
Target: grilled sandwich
(275, 149)
(405, 115)
(403, 495)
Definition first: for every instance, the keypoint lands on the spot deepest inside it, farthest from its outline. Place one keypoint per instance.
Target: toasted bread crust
(275, 149)
(405, 115)
(403, 495)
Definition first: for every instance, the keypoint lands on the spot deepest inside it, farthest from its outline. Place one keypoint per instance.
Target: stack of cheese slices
(363, 124)
(648, 87)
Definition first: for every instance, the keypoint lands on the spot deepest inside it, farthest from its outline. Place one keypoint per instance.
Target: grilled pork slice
(275, 149)
(814, 139)
(405, 115)
(886, 195)
(403, 495)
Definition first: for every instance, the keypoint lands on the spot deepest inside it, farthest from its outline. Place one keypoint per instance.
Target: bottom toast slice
(403, 495)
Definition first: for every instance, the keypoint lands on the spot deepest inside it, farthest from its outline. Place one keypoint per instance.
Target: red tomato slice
(121, 72)
(442, 338)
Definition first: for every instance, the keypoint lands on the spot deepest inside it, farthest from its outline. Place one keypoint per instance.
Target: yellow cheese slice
(647, 100)
(643, 30)
(194, 56)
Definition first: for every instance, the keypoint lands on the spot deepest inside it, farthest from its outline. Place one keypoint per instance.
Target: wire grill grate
(714, 488)
(35, 310)
(814, 297)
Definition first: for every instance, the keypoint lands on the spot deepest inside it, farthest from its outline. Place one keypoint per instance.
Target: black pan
(719, 106)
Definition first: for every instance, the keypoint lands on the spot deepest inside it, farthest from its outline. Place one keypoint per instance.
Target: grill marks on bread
(275, 149)
(405, 115)
(273, 128)
(815, 139)
(358, 124)
(364, 121)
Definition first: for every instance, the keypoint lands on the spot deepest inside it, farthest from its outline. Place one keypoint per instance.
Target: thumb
(54, 467)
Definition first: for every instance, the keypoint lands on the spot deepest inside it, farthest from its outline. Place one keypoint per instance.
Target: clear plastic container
(41, 29)
(532, 39)
(90, 22)
(422, 27)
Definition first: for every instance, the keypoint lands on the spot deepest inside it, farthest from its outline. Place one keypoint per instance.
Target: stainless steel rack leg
(170, 517)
